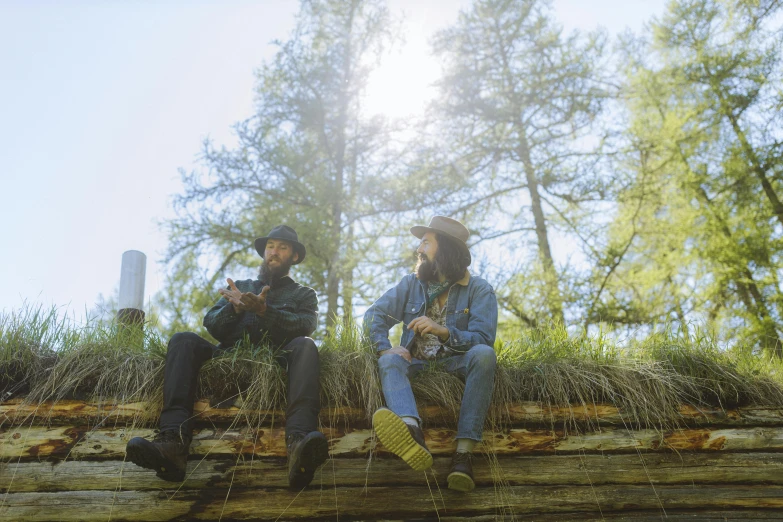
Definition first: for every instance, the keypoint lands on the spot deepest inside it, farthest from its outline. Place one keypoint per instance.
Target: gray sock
(465, 445)
(410, 420)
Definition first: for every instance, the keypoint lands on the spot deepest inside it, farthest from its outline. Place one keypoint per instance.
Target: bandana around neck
(435, 289)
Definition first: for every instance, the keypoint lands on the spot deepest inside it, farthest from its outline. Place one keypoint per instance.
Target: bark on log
(579, 470)
(82, 443)
(70, 412)
(630, 516)
(382, 502)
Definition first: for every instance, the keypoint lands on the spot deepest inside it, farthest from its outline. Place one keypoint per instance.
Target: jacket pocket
(461, 317)
(412, 310)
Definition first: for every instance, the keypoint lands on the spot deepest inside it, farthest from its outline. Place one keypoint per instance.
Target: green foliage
(699, 217)
(309, 157)
(518, 97)
(663, 178)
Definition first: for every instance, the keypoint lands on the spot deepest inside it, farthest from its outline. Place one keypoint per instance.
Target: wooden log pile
(65, 461)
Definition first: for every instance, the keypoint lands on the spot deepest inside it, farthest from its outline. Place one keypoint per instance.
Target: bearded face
(426, 269)
(280, 267)
(440, 257)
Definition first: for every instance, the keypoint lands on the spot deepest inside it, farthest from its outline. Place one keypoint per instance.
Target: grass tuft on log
(44, 357)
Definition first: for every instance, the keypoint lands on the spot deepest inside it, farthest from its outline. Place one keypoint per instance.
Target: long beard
(426, 270)
(272, 275)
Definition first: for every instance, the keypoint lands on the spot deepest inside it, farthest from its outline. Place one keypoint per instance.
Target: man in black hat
(449, 319)
(274, 309)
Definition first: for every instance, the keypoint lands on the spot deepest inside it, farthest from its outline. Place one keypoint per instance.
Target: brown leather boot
(306, 452)
(167, 454)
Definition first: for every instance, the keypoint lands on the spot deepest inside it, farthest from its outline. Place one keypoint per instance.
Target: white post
(132, 277)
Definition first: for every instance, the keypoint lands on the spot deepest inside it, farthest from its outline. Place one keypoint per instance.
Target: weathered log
(651, 468)
(381, 502)
(670, 515)
(110, 413)
(104, 443)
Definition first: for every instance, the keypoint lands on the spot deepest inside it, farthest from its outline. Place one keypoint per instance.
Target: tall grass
(44, 357)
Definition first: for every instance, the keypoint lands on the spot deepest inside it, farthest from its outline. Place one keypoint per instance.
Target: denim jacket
(471, 313)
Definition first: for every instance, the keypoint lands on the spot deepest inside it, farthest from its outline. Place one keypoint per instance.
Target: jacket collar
(280, 283)
(465, 279)
(462, 282)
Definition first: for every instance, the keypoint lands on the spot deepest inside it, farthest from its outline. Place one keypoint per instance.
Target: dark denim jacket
(471, 313)
(292, 311)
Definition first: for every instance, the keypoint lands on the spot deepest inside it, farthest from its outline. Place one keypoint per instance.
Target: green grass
(43, 356)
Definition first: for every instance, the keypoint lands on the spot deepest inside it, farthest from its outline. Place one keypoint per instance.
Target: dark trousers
(187, 352)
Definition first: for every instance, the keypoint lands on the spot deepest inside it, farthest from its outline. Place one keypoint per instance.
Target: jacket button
(466, 310)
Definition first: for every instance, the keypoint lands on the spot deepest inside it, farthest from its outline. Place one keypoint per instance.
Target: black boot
(305, 454)
(167, 454)
(461, 473)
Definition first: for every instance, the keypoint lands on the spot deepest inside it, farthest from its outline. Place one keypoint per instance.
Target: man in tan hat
(449, 318)
(274, 310)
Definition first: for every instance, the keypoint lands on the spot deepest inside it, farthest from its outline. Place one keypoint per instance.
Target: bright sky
(102, 102)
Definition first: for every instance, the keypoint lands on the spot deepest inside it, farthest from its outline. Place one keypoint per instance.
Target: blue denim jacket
(471, 313)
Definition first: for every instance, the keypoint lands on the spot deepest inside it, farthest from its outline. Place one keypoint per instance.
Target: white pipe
(132, 276)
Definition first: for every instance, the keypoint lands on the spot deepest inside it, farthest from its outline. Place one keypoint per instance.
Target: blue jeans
(476, 366)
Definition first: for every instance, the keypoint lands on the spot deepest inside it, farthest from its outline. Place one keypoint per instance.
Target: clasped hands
(421, 326)
(245, 301)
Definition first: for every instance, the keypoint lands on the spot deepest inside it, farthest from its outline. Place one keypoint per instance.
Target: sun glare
(402, 84)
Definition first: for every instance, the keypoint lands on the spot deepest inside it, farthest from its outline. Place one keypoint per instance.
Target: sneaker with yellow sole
(404, 440)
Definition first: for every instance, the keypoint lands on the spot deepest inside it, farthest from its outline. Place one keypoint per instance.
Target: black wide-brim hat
(448, 227)
(284, 233)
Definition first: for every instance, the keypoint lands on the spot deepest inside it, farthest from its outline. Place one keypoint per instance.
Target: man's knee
(304, 347)
(187, 346)
(391, 360)
(483, 356)
(182, 340)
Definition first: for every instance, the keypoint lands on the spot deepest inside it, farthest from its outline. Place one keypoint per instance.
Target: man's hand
(245, 301)
(233, 295)
(255, 303)
(424, 325)
(399, 350)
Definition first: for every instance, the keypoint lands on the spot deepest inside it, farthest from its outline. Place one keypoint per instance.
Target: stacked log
(65, 461)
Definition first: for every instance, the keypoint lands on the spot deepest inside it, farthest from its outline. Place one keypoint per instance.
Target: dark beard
(273, 275)
(426, 270)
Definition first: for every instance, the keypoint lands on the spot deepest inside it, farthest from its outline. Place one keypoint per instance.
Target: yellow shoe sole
(459, 481)
(395, 437)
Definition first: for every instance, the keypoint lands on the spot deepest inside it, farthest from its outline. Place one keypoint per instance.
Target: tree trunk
(747, 149)
(758, 169)
(554, 300)
(678, 308)
(747, 287)
(348, 276)
(335, 263)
